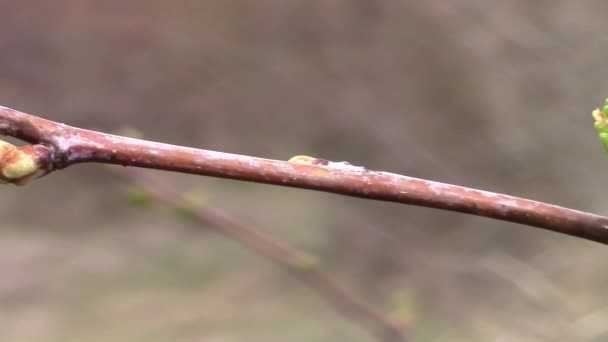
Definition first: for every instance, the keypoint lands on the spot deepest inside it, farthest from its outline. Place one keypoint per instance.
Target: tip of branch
(18, 165)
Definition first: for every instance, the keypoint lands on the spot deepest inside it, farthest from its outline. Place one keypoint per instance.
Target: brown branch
(70, 145)
(303, 265)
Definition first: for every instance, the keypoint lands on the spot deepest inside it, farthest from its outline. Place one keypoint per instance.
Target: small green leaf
(604, 140)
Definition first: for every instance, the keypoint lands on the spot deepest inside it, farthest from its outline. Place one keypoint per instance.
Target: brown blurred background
(487, 95)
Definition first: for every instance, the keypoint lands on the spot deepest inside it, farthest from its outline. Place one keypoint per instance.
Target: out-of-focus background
(477, 93)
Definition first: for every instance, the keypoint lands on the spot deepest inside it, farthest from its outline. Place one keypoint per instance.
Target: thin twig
(304, 266)
(70, 145)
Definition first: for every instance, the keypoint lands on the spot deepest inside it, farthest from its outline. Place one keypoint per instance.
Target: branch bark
(62, 146)
(303, 266)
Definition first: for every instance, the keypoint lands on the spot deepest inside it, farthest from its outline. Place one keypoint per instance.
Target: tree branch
(61, 146)
(302, 265)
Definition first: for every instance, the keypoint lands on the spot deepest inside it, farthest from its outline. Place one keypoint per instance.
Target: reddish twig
(69, 145)
(303, 265)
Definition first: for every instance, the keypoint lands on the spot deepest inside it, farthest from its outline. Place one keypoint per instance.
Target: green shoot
(601, 124)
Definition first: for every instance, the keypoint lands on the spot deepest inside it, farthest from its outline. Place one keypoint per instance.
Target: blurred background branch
(304, 266)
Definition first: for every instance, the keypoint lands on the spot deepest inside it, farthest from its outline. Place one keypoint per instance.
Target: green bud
(305, 261)
(139, 197)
